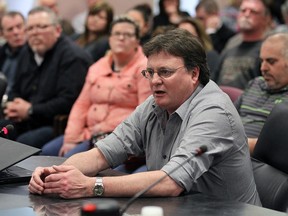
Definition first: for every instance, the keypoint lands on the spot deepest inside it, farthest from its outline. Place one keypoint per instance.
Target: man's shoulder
(66, 49)
(258, 83)
(68, 46)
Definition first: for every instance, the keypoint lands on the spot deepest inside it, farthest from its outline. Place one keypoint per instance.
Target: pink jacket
(107, 98)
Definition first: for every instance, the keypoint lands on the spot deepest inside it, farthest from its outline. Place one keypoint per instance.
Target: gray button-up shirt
(208, 118)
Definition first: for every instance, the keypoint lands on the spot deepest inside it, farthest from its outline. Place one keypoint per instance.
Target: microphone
(199, 151)
(7, 129)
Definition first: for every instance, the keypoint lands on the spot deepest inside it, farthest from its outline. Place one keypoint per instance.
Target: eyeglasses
(162, 72)
(125, 35)
(39, 27)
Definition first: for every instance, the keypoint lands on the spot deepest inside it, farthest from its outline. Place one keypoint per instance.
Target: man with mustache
(265, 91)
(237, 64)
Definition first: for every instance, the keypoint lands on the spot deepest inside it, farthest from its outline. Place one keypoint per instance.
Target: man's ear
(196, 72)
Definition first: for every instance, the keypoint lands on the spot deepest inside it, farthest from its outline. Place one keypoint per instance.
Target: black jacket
(53, 86)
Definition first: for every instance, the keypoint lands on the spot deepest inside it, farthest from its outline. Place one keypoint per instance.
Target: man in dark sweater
(49, 78)
(12, 26)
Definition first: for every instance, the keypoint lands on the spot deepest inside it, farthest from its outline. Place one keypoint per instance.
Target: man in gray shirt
(186, 111)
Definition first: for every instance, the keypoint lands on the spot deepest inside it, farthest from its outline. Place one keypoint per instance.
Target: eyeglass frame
(125, 35)
(39, 27)
(170, 70)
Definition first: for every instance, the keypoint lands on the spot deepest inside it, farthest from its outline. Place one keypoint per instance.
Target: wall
(77, 6)
(69, 8)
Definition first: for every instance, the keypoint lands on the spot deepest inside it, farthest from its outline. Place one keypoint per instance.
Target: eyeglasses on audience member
(125, 35)
(162, 72)
(39, 27)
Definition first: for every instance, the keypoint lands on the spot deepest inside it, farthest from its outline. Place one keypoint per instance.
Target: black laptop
(12, 152)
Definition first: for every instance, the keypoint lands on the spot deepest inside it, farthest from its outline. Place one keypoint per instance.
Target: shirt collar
(182, 110)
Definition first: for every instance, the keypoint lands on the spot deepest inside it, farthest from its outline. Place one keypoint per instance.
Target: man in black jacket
(49, 78)
(12, 26)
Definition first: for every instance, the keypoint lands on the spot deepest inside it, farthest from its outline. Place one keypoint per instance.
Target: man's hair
(267, 5)
(126, 19)
(11, 14)
(283, 37)
(52, 15)
(183, 44)
(210, 6)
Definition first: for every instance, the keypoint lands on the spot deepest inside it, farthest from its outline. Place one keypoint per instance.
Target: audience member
(49, 78)
(265, 91)
(237, 39)
(169, 13)
(237, 64)
(2, 11)
(113, 88)
(284, 11)
(207, 11)
(229, 14)
(94, 40)
(196, 28)
(186, 111)
(53, 5)
(78, 22)
(142, 15)
(12, 26)
(275, 8)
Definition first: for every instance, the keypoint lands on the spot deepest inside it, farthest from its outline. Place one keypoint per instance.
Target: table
(16, 200)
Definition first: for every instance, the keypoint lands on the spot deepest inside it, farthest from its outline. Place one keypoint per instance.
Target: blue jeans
(37, 137)
(53, 147)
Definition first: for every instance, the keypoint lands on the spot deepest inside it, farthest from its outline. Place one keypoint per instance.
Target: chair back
(272, 186)
(272, 144)
(232, 92)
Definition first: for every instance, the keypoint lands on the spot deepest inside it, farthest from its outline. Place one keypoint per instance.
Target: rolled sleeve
(113, 150)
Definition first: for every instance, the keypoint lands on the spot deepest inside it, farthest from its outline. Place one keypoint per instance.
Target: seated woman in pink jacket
(113, 88)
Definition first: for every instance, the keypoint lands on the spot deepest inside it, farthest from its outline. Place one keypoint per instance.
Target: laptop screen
(12, 152)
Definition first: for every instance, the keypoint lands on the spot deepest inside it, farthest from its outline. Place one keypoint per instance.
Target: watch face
(98, 190)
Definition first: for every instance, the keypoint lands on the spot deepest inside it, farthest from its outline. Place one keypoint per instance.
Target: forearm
(89, 163)
(252, 142)
(129, 185)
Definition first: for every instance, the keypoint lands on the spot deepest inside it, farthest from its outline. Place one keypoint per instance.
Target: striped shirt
(256, 103)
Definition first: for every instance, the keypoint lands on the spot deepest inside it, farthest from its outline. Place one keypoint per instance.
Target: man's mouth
(159, 92)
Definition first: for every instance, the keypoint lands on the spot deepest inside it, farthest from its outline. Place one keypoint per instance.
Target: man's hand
(17, 109)
(36, 185)
(68, 182)
(213, 23)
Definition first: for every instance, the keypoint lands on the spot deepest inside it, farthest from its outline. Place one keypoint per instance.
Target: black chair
(272, 186)
(272, 143)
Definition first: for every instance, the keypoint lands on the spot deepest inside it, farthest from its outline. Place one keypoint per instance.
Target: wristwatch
(98, 189)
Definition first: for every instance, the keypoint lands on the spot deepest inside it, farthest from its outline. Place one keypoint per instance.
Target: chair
(272, 143)
(272, 186)
(60, 123)
(232, 92)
